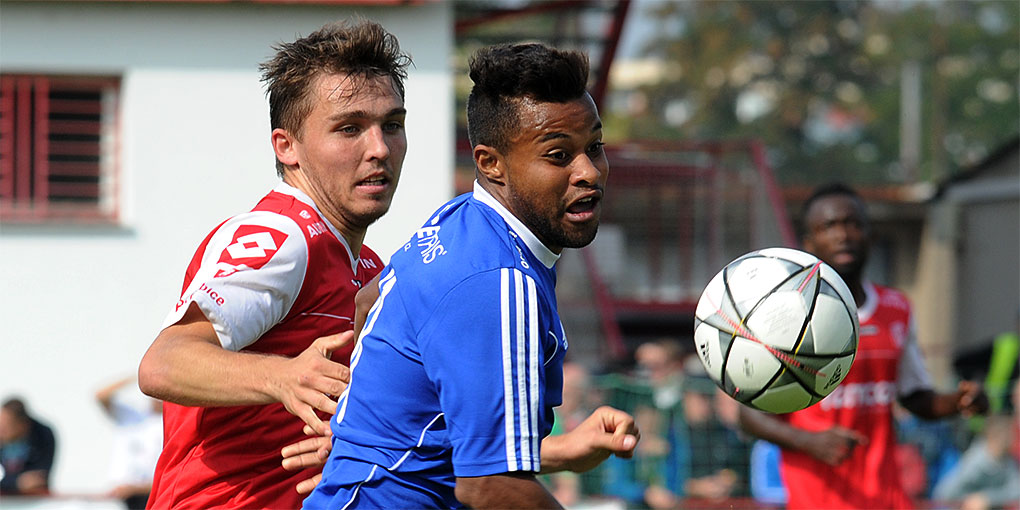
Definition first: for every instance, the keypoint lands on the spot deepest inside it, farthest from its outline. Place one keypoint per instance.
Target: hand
(715, 487)
(833, 446)
(606, 432)
(660, 498)
(313, 381)
(975, 501)
(308, 453)
(33, 482)
(971, 398)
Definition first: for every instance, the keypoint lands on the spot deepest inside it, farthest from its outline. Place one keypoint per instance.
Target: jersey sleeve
(482, 351)
(911, 374)
(248, 277)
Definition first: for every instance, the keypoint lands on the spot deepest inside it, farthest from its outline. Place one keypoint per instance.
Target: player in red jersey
(239, 354)
(839, 453)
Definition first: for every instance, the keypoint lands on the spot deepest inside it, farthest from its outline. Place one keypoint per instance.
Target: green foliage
(820, 82)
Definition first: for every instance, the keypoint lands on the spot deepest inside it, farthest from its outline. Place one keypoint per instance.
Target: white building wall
(80, 304)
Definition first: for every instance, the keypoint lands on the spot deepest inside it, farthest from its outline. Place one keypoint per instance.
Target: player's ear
(490, 164)
(284, 147)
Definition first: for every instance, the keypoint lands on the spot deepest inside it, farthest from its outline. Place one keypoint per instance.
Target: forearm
(105, 395)
(929, 405)
(196, 374)
(771, 429)
(187, 366)
(510, 490)
(605, 432)
(555, 456)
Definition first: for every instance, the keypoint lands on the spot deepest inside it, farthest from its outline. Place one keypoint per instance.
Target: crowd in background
(28, 446)
(692, 453)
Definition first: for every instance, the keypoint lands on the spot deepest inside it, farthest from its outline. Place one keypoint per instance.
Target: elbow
(152, 376)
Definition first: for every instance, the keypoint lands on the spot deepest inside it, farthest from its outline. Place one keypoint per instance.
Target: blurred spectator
(987, 475)
(655, 477)
(649, 479)
(718, 457)
(660, 362)
(738, 458)
(935, 440)
(27, 448)
(766, 479)
(580, 398)
(137, 440)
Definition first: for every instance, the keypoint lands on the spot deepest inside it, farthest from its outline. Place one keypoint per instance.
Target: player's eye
(596, 148)
(393, 126)
(349, 129)
(558, 157)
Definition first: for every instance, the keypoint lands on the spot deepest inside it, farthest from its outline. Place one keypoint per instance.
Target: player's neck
(353, 235)
(856, 286)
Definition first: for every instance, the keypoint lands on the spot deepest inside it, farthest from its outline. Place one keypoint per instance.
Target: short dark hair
(505, 73)
(824, 191)
(364, 48)
(16, 407)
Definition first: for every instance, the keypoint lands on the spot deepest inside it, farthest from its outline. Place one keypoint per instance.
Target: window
(57, 148)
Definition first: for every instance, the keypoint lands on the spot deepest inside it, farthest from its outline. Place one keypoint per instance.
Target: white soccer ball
(777, 329)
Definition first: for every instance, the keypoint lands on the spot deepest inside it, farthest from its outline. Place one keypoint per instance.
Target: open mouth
(583, 209)
(583, 205)
(844, 257)
(378, 181)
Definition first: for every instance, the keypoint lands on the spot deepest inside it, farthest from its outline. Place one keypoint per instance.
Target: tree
(820, 82)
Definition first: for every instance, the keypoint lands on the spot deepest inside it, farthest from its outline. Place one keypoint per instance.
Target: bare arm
(508, 490)
(187, 365)
(968, 399)
(831, 446)
(606, 432)
(105, 395)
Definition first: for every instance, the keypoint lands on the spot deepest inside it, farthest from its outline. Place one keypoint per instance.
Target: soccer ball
(777, 329)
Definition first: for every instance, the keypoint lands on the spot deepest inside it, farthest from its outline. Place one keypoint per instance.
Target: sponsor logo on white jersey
(252, 247)
(847, 396)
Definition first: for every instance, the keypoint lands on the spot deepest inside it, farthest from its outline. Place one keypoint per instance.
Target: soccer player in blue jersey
(460, 361)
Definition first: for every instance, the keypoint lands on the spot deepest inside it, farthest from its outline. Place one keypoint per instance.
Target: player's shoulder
(460, 238)
(889, 297)
(457, 244)
(254, 239)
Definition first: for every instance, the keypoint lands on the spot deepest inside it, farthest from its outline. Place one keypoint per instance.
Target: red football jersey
(271, 281)
(887, 365)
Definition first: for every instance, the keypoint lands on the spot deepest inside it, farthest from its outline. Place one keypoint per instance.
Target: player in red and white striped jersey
(260, 333)
(839, 453)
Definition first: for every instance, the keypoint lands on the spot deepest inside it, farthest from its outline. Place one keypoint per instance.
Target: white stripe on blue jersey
(508, 376)
(421, 438)
(523, 406)
(533, 350)
(385, 286)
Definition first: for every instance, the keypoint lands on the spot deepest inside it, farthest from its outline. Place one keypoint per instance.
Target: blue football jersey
(457, 369)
